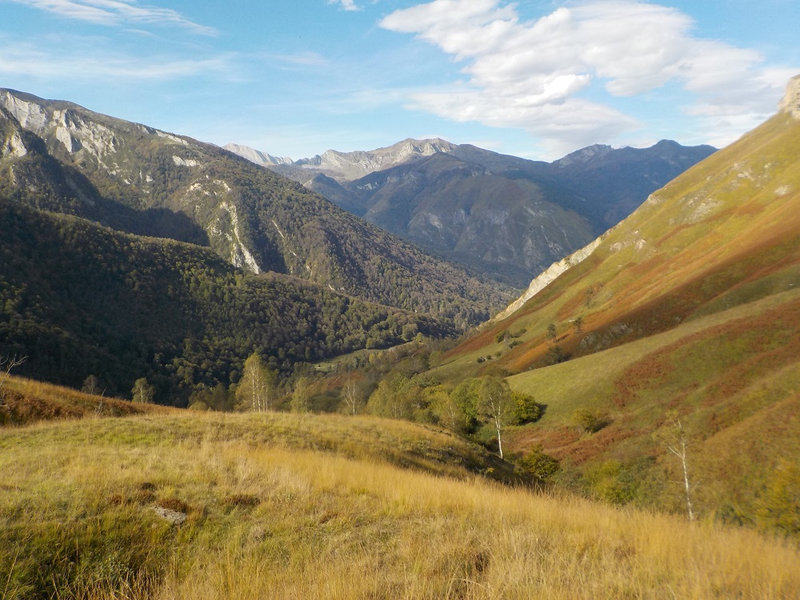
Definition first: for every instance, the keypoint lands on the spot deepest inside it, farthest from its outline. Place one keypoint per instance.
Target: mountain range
(501, 216)
(656, 366)
(58, 156)
(128, 252)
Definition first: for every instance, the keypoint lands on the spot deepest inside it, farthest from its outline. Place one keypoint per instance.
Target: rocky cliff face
(548, 276)
(791, 100)
(256, 156)
(347, 166)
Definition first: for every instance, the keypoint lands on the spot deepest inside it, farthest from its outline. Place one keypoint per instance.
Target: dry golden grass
(268, 520)
(24, 401)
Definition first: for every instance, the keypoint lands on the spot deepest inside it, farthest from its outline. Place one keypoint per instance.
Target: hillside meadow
(175, 504)
(732, 381)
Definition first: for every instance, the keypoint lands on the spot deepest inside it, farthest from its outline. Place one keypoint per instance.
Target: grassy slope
(25, 401)
(283, 506)
(725, 233)
(689, 306)
(733, 380)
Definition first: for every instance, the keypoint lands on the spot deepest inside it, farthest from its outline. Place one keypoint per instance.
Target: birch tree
(496, 405)
(8, 364)
(143, 391)
(257, 388)
(352, 395)
(676, 444)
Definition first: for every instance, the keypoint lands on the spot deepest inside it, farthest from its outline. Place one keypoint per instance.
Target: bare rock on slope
(791, 100)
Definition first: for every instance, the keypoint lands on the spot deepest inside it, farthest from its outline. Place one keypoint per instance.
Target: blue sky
(294, 78)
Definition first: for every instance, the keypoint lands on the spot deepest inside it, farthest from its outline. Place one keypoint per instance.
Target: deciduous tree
(301, 396)
(257, 388)
(8, 364)
(352, 395)
(674, 438)
(496, 405)
(143, 391)
(92, 385)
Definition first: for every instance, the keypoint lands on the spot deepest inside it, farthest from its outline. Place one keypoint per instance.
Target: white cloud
(29, 61)
(345, 4)
(116, 12)
(536, 74)
(300, 59)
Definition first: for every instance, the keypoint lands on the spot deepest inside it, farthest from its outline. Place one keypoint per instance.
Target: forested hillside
(80, 299)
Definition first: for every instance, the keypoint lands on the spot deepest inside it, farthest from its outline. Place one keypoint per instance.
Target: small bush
(556, 355)
(540, 465)
(613, 482)
(528, 410)
(778, 507)
(589, 421)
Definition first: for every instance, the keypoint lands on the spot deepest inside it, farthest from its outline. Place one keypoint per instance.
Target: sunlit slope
(288, 506)
(688, 311)
(24, 401)
(731, 378)
(725, 233)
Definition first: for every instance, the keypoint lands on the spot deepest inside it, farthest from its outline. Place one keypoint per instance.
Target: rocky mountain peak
(348, 166)
(583, 155)
(256, 156)
(791, 99)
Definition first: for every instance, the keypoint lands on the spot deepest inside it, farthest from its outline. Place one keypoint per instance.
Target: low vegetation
(25, 401)
(286, 506)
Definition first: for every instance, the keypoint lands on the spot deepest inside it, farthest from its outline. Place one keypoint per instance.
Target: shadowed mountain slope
(79, 299)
